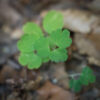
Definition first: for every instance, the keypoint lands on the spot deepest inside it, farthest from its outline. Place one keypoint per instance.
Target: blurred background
(50, 82)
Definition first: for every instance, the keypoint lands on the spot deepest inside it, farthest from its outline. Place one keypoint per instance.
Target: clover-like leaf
(84, 80)
(45, 60)
(58, 55)
(37, 49)
(35, 62)
(61, 39)
(53, 21)
(32, 60)
(32, 28)
(92, 79)
(87, 76)
(75, 85)
(24, 58)
(87, 70)
(26, 43)
(42, 47)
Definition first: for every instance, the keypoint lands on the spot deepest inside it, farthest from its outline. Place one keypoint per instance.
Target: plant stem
(70, 76)
(74, 75)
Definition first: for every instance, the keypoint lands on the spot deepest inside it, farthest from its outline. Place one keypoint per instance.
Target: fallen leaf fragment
(50, 91)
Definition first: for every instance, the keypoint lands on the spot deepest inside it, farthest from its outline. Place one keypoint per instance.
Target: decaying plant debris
(82, 18)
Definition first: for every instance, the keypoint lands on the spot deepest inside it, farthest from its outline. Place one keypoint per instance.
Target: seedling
(86, 77)
(37, 48)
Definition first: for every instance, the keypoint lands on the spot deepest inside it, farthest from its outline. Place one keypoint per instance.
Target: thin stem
(71, 76)
(74, 75)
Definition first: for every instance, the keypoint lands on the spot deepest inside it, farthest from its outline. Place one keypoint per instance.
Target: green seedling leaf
(84, 80)
(45, 60)
(30, 59)
(75, 85)
(92, 79)
(24, 58)
(61, 39)
(26, 44)
(58, 55)
(35, 62)
(32, 28)
(87, 70)
(53, 21)
(36, 48)
(42, 47)
(87, 76)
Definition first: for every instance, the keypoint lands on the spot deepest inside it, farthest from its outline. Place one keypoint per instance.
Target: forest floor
(51, 81)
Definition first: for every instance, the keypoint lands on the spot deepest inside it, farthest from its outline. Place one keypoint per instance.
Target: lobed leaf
(92, 79)
(32, 28)
(45, 60)
(61, 39)
(87, 76)
(87, 70)
(42, 47)
(75, 85)
(35, 62)
(58, 55)
(84, 79)
(26, 44)
(30, 59)
(36, 49)
(53, 21)
(24, 58)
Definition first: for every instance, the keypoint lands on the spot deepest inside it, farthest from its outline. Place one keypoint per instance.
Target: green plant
(36, 48)
(86, 77)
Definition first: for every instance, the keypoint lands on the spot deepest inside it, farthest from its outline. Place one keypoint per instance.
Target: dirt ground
(51, 81)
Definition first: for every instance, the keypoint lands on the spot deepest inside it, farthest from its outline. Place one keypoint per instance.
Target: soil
(51, 81)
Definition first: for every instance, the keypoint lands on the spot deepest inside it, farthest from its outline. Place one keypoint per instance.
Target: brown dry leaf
(88, 46)
(58, 73)
(9, 74)
(6, 73)
(95, 38)
(52, 92)
(32, 84)
(81, 21)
